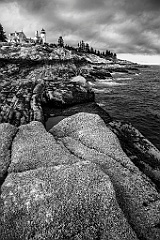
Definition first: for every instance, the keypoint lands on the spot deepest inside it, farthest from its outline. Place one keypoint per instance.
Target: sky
(130, 28)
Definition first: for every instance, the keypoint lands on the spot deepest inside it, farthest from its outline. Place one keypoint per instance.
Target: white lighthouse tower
(43, 35)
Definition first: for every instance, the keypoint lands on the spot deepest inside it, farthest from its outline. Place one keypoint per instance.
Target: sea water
(134, 98)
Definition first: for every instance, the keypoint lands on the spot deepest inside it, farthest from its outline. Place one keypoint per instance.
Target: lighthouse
(43, 35)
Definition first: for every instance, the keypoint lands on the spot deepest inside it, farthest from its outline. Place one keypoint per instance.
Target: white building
(17, 37)
(43, 35)
(40, 38)
(20, 37)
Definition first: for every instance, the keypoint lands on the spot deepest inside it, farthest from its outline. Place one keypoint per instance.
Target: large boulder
(72, 202)
(88, 138)
(60, 185)
(69, 93)
(143, 153)
(79, 80)
(34, 147)
(143, 148)
(7, 132)
(57, 114)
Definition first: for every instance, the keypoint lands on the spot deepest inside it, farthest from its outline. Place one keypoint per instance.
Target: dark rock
(91, 107)
(69, 94)
(100, 74)
(143, 148)
(147, 155)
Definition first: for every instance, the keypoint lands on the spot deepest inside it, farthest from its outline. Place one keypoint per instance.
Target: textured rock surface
(7, 132)
(23, 97)
(75, 182)
(146, 155)
(58, 113)
(76, 202)
(66, 94)
(138, 142)
(86, 136)
(33, 147)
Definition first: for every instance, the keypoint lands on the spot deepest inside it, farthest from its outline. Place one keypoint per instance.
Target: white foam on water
(118, 73)
(105, 80)
(108, 83)
(96, 90)
(101, 104)
(124, 79)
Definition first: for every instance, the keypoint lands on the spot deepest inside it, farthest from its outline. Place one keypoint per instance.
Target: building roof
(43, 31)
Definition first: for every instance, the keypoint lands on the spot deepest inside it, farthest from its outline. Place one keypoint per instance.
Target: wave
(96, 90)
(123, 79)
(118, 73)
(104, 83)
(101, 104)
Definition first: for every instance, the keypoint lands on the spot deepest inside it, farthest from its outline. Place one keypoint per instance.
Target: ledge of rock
(72, 202)
(7, 133)
(142, 152)
(23, 100)
(75, 182)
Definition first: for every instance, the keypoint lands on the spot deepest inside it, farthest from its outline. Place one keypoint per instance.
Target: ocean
(134, 98)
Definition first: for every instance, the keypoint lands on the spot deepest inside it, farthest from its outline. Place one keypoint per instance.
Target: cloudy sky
(127, 27)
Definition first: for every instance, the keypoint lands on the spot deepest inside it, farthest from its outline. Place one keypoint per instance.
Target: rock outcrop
(75, 182)
(33, 147)
(7, 133)
(45, 53)
(143, 153)
(72, 202)
(87, 137)
(22, 99)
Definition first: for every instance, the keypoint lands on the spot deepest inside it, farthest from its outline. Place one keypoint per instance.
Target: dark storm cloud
(141, 5)
(33, 5)
(123, 26)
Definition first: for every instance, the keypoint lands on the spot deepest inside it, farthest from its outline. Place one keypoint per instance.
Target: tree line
(85, 47)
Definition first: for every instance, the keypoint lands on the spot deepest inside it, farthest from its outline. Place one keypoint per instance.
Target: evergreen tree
(114, 55)
(60, 41)
(80, 46)
(107, 53)
(111, 54)
(3, 37)
(83, 45)
(92, 50)
(87, 48)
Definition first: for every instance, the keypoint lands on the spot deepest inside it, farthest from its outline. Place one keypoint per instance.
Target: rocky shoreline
(89, 176)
